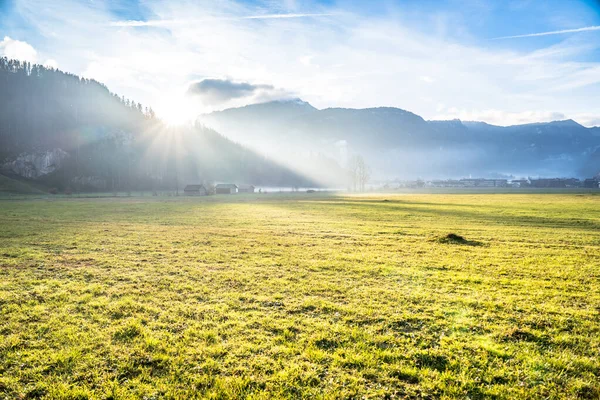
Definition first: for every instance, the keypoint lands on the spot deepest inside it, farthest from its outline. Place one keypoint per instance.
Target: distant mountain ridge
(399, 143)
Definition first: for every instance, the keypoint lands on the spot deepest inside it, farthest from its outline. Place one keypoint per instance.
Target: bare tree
(353, 163)
(364, 174)
(359, 172)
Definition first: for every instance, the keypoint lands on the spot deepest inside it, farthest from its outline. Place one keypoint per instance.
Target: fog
(398, 144)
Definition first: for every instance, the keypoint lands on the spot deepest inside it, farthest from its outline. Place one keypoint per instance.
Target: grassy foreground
(314, 296)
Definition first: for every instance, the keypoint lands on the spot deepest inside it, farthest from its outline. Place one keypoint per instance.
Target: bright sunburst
(177, 110)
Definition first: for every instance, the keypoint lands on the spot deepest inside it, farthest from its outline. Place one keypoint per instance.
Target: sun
(176, 110)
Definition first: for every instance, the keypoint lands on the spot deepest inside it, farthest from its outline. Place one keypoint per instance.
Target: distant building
(246, 189)
(445, 183)
(226, 188)
(195, 190)
(573, 182)
(484, 182)
(519, 183)
(555, 183)
(592, 183)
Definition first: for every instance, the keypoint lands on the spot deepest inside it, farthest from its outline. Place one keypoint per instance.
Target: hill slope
(9, 186)
(65, 131)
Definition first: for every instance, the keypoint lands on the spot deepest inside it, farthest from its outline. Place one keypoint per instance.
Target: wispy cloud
(171, 22)
(560, 32)
(328, 56)
(277, 16)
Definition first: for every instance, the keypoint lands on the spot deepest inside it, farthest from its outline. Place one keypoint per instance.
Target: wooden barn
(195, 190)
(246, 189)
(226, 188)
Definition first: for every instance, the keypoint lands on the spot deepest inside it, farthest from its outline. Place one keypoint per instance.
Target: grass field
(314, 296)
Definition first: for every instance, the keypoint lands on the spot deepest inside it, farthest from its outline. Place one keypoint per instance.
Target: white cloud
(23, 51)
(332, 59)
(586, 119)
(307, 60)
(17, 49)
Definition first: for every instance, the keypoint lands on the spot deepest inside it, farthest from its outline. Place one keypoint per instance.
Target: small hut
(195, 190)
(226, 188)
(246, 189)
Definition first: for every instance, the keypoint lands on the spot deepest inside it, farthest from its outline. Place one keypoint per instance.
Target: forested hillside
(42, 108)
(73, 133)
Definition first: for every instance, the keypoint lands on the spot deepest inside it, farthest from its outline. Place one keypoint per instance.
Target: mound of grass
(453, 238)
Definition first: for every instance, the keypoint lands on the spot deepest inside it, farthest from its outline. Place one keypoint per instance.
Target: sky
(503, 62)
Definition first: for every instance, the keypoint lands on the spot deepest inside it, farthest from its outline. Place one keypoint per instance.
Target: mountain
(398, 143)
(258, 119)
(63, 131)
(274, 111)
(270, 129)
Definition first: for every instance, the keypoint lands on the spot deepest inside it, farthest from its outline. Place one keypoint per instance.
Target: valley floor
(291, 296)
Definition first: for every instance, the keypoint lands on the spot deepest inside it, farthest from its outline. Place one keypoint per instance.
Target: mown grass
(314, 296)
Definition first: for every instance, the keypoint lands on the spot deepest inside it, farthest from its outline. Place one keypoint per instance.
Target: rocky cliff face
(35, 165)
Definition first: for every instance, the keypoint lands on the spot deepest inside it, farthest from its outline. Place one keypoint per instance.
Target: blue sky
(440, 59)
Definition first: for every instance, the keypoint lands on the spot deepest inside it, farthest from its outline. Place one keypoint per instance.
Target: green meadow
(301, 296)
